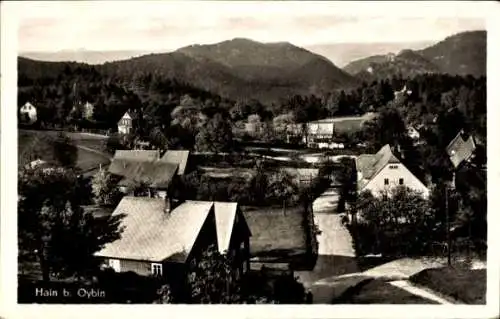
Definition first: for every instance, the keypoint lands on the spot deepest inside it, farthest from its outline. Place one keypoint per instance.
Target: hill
(243, 69)
(234, 69)
(460, 54)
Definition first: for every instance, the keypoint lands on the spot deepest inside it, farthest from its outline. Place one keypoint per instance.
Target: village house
(461, 149)
(401, 93)
(28, 113)
(383, 171)
(126, 123)
(322, 133)
(147, 168)
(162, 240)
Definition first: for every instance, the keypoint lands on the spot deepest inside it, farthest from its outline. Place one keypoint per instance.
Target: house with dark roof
(160, 239)
(145, 167)
(383, 171)
(461, 149)
(142, 168)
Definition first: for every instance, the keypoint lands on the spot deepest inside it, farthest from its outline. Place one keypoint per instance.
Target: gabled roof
(154, 235)
(131, 114)
(28, 104)
(179, 157)
(137, 155)
(460, 150)
(339, 124)
(225, 215)
(154, 174)
(369, 165)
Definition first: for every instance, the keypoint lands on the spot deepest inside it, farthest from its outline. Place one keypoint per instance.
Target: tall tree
(211, 279)
(105, 189)
(215, 136)
(54, 227)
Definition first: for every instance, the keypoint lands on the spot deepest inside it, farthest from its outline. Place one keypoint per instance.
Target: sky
(157, 26)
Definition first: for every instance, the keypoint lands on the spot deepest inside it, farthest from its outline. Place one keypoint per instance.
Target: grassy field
(276, 235)
(380, 292)
(91, 149)
(464, 285)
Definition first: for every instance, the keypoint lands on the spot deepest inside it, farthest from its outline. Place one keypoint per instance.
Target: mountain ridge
(240, 69)
(463, 53)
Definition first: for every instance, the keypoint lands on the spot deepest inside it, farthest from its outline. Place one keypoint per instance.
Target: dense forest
(176, 109)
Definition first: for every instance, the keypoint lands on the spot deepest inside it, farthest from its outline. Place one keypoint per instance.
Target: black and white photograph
(249, 153)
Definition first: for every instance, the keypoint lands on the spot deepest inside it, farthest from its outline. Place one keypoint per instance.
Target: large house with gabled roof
(160, 239)
(381, 172)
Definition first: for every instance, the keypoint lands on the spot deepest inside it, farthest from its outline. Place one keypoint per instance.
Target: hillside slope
(460, 54)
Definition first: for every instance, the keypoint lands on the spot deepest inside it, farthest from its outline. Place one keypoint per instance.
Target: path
(93, 151)
(424, 293)
(336, 255)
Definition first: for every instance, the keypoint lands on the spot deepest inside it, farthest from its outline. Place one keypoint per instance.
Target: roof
(460, 150)
(180, 157)
(225, 215)
(131, 114)
(369, 165)
(155, 174)
(153, 235)
(366, 116)
(340, 124)
(28, 104)
(137, 155)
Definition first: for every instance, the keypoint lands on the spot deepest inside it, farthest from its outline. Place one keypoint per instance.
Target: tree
(65, 151)
(53, 226)
(401, 223)
(216, 136)
(346, 178)
(164, 294)
(258, 184)
(114, 143)
(211, 279)
(105, 189)
(387, 128)
(283, 188)
(283, 124)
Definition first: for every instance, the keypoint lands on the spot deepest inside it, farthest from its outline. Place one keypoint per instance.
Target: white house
(125, 124)
(383, 171)
(28, 113)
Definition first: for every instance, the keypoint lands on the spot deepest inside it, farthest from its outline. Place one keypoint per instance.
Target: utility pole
(448, 237)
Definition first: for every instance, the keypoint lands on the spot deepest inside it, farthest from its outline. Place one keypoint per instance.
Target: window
(156, 269)
(115, 264)
(393, 167)
(401, 181)
(386, 181)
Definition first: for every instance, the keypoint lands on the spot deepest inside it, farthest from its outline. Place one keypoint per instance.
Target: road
(336, 254)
